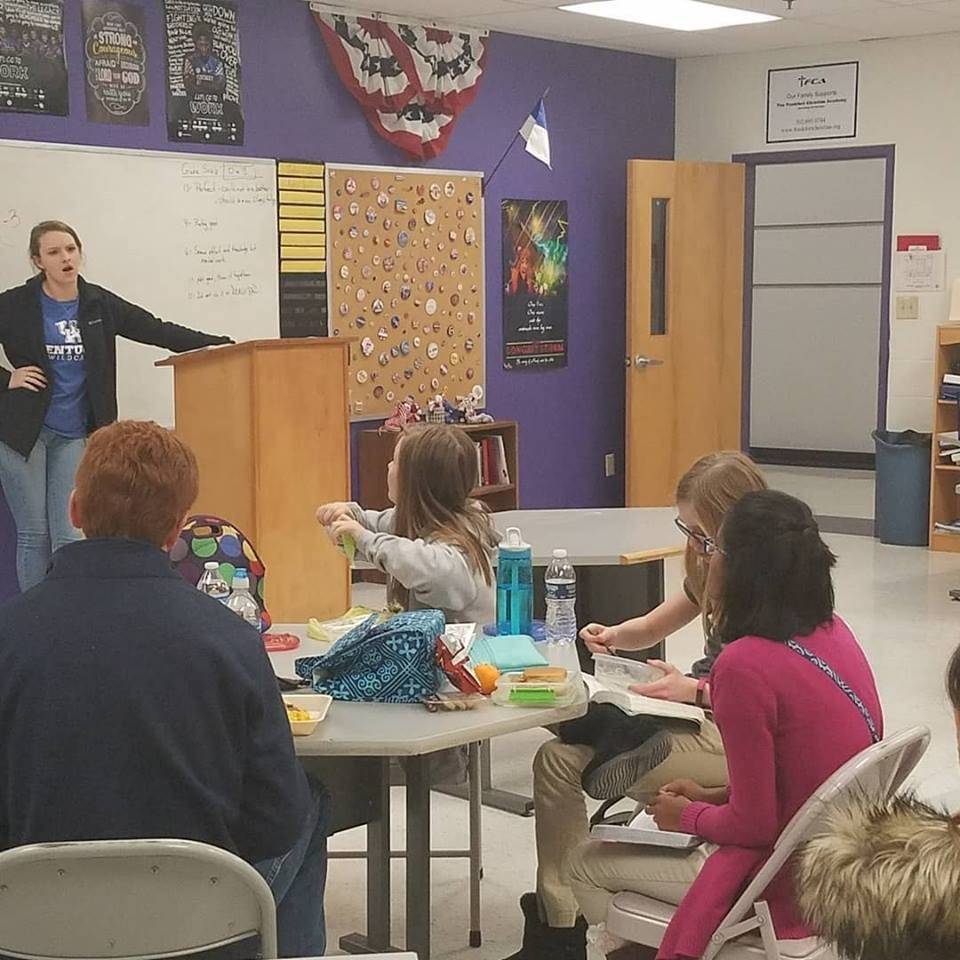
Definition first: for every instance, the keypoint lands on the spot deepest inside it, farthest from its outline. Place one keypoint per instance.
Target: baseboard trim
(785, 457)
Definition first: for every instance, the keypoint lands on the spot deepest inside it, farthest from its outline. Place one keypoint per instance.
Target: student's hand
(686, 788)
(674, 686)
(329, 513)
(666, 810)
(345, 527)
(27, 378)
(600, 639)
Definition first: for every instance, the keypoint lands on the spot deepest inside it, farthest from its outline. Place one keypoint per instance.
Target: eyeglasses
(708, 545)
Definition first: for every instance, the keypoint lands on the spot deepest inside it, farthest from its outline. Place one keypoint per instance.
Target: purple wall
(604, 107)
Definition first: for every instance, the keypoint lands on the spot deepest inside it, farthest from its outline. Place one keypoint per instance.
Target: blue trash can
(903, 487)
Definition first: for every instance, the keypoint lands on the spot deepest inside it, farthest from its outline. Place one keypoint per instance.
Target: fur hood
(883, 882)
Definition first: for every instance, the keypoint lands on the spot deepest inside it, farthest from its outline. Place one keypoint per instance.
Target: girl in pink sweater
(786, 722)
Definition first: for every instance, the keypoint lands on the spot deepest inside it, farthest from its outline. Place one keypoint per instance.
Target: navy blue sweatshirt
(131, 705)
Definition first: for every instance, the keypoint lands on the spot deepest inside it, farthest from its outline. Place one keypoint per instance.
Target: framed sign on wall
(817, 102)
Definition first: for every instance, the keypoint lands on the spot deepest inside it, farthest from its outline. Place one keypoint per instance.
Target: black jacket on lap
(132, 706)
(103, 316)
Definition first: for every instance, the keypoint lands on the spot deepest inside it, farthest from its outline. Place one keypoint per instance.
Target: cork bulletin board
(406, 279)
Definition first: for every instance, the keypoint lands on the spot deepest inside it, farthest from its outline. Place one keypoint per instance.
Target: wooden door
(684, 319)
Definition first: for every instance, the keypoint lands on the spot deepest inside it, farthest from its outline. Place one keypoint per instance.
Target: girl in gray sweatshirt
(437, 544)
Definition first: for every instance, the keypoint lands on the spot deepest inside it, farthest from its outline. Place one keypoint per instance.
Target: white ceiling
(810, 22)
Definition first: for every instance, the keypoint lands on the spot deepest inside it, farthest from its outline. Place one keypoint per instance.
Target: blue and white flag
(534, 131)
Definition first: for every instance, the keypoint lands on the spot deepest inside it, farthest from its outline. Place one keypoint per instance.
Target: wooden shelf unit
(944, 477)
(376, 451)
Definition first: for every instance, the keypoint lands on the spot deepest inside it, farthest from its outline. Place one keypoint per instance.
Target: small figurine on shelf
(468, 410)
(441, 410)
(436, 412)
(407, 412)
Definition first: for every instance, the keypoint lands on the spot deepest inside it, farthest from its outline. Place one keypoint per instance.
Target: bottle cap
(513, 540)
(560, 554)
(211, 565)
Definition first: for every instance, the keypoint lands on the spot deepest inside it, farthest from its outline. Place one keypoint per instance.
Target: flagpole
(516, 136)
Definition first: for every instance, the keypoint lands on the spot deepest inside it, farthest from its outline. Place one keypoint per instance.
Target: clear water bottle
(212, 583)
(514, 585)
(561, 591)
(241, 602)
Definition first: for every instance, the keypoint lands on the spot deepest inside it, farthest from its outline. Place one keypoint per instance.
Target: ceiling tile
(753, 37)
(948, 8)
(447, 11)
(802, 9)
(559, 24)
(895, 21)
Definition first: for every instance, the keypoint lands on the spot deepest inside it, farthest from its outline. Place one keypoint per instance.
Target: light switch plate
(610, 465)
(908, 307)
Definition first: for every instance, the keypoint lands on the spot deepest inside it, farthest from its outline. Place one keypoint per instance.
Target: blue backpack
(393, 661)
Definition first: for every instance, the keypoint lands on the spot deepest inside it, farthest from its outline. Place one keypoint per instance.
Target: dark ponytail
(776, 579)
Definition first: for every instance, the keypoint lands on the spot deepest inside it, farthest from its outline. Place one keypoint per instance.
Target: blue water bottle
(514, 585)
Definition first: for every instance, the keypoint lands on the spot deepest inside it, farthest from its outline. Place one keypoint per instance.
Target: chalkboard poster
(116, 62)
(534, 284)
(203, 73)
(33, 70)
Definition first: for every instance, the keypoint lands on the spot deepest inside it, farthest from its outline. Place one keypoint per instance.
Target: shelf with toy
(497, 477)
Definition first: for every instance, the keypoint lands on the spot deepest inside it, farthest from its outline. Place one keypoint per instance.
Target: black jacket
(103, 317)
(132, 705)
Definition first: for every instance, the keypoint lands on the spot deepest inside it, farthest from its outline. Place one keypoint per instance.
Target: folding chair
(747, 931)
(130, 898)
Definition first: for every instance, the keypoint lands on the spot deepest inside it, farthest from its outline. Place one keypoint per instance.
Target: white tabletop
(594, 537)
(403, 730)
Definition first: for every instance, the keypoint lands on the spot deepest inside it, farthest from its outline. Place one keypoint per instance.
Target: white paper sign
(919, 271)
(812, 103)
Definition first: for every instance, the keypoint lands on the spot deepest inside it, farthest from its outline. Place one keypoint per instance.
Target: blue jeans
(37, 491)
(298, 879)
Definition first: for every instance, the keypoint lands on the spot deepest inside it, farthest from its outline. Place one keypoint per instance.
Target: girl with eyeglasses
(562, 770)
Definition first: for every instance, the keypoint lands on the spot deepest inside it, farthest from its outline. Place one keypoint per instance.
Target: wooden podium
(268, 422)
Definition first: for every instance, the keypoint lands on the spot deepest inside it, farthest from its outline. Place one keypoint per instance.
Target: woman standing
(59, 333)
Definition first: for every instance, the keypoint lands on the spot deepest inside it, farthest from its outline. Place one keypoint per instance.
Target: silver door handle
(641, 361)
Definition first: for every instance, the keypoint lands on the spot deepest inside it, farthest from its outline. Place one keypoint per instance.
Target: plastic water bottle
(212, 583)
(240, 602)
(514, 585)
(561, 584)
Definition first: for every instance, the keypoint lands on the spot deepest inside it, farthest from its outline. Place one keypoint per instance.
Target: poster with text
(33, 69)
(203, 73)
(115, 55)
(534, 284)
(817, 102)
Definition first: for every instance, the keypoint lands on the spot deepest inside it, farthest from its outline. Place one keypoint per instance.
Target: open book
(637, 704)
(643, 830)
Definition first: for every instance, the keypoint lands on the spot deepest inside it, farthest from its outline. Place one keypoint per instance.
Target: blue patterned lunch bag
(386, 662)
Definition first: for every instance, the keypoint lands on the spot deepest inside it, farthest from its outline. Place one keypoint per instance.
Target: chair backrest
(877, 772)
(131, 899)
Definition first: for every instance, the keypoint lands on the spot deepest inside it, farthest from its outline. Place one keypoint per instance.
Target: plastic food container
(620, 672)
(512, 691)
(316, 704)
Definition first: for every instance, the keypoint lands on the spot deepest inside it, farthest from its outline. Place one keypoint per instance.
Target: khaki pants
(597, 871)
(561, 809)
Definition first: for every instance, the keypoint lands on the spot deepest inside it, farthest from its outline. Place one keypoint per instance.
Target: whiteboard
(191, 238)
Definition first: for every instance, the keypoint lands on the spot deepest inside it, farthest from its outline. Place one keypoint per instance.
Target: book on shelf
(479, 449)
(503, 471)
(952, 378)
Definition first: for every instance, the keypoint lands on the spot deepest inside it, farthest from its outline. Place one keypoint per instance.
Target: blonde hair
(436, 468)
(711, 487)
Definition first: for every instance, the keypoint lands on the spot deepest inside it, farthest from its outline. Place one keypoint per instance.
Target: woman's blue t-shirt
(68, 413)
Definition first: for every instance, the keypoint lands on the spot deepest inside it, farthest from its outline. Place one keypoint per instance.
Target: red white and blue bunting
(412, 80)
